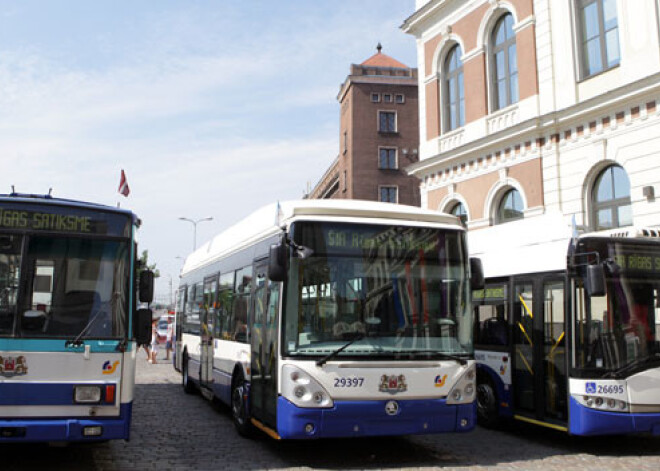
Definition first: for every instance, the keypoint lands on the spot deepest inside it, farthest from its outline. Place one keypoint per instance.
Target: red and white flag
(123, 185)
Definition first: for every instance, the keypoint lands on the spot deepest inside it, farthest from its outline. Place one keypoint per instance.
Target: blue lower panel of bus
(587, 421)
(368, 418)
(66, 429)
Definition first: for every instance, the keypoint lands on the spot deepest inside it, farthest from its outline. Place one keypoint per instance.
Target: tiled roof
(383, 60)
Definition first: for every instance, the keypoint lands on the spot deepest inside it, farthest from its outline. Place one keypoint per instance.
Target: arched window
(505, 63)
(610, 199)
(459, 211)
(510, 207)
(454, 94)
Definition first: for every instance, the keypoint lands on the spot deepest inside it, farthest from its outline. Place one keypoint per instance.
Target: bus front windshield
(61, 287)
(617, 334)
(394, 291)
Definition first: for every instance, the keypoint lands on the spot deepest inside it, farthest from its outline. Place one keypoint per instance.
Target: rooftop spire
(379, 47)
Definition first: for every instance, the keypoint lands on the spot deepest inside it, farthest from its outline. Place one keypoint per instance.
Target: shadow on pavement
(174, 430)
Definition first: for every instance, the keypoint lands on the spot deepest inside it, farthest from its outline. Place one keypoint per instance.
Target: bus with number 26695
(316, 319)
(567, 329)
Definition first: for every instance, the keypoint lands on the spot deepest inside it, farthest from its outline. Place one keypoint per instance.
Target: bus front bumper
(369, 418)
(587, 421)
(66, 429)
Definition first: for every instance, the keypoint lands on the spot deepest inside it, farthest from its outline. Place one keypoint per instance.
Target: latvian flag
(123, 185)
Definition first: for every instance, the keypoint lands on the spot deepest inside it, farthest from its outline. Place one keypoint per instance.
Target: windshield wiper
(76, 341)
(631, 366)
(446, 356)
(333, 354)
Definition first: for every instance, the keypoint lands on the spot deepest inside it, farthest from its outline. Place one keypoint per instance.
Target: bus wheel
(487, 410)
(188, 385)
(239, 412)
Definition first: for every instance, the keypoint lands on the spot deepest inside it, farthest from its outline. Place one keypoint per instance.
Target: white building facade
(532, 107)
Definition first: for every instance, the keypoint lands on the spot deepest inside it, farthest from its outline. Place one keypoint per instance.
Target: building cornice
(541, 125)
(378, 80)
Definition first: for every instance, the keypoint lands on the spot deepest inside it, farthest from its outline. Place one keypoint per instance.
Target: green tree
(143, 263)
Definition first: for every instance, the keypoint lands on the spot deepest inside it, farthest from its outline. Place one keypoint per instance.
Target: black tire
(487, 404)
(188, 385)
(239, 412)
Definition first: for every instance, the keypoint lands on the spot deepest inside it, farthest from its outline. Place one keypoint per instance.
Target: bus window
(224, 305)
(491, 316)
(191, 322)
(10, 265)
(237, 330)
(209, 304)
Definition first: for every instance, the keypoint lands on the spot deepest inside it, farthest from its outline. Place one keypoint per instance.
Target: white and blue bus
(323, 318)
(67, 314)
(567, 328)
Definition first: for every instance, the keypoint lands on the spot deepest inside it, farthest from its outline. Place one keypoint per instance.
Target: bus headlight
(463, 390)
(303, 390)
(87, 394)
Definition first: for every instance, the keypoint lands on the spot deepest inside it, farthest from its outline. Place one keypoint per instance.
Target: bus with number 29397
(69, 323)
(316, 319)
(567, 328)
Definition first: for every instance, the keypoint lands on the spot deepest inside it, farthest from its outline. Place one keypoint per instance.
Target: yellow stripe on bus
(538, 422)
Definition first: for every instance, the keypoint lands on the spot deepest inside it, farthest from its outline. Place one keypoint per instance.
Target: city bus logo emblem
(392, 408)
(108, 368)
(440, 381)
(393, 384)
(13, 366)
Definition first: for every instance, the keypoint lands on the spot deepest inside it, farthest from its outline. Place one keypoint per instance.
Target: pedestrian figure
(168, 338)
(148, 351)
(154, 341)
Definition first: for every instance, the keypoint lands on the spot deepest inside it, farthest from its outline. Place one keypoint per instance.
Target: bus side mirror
(146, 286)
(596, 280)
(277, 262)
(142, 326)
(477, 274)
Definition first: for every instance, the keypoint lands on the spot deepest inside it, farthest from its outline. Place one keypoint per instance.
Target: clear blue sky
(213, 108)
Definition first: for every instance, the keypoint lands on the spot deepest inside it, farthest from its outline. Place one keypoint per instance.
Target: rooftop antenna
(13, 190)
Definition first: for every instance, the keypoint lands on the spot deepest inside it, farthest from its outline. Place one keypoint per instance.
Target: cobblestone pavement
(175, 431)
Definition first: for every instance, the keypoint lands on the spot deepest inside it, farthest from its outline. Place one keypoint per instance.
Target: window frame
(501, 201)
(462, 217)
(612, 204)
(581, 41)
(396, 122)
(494, 78)
(447, 76)
(375, 97)
(395, 188)
(380, 159)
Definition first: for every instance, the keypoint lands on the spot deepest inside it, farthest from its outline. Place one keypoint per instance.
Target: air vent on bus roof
(636, 232)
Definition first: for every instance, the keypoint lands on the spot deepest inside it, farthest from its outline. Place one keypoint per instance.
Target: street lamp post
(194, 223)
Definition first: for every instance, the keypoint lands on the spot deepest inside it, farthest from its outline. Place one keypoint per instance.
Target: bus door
(539, 348)
(264, 345)
(207, 331)
(178, 323)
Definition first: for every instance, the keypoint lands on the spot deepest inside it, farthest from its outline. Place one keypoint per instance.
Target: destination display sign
(355, 239)
(47, 218)
(367, 239)
(490, 293)
(648, 262)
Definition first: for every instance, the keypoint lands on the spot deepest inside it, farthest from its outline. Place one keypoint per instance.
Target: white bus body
(370, 334)
(550, 352)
